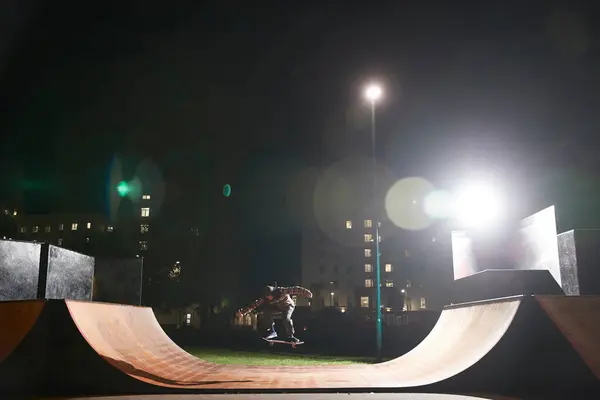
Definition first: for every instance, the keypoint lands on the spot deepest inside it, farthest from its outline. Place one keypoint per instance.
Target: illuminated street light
(374, 93)
(477, 205)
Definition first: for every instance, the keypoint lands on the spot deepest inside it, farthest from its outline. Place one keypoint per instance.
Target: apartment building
(90, 233)
(340, 268)
(8, 216)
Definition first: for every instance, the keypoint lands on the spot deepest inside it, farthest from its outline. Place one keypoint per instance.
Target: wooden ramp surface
(131, 339)
(485, 347)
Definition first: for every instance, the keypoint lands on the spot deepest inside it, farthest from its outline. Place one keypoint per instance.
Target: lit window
(364, 301)
(22, 229)
(146, 197)
(408, 284)
(48, 229)
(89, 225)
(388, 267)
(145, 211)
(367, 252)
(368, 268)
(348, 224)
(87, 239)
(423, 302)
(368, 223)
(143, 245)
(74, 226)
(144, 228)
(110, 228)
(389, 283)
(406, 253)
(368, 237)
(188, 319)
(61, 227)
(368, 282)
(36, 229)
(60, 241)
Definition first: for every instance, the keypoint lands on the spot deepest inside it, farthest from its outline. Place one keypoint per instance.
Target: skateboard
(272, 342)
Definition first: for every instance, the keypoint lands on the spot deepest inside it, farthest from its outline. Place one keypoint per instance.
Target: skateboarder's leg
(268, 321)
(288, 323)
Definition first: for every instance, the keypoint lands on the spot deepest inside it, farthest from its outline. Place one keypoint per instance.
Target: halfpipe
(508, 346)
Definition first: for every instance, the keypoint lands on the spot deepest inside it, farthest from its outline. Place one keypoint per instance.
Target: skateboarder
(278, 299)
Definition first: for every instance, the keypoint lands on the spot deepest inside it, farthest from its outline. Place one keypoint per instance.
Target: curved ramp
(496, 346)
(18, 318)
(578, 318)
(131, 339)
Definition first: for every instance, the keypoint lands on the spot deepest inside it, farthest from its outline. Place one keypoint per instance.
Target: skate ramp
(487, 347)
(304, 396)
(18, 319)
(131, 340)
(578, 318)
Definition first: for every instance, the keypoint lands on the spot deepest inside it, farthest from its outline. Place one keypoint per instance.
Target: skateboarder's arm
(297, 291)
(253, 306)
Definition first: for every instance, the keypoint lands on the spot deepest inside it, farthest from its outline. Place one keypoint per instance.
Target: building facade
(8, 221)
(91, 233)
(340, 268)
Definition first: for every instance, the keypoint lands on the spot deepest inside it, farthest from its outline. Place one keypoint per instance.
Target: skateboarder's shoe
(292, 339)
(270, 335)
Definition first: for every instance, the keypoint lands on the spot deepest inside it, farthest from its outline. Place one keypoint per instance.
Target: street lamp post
(404, 300)
(373, 93)
(141, 280)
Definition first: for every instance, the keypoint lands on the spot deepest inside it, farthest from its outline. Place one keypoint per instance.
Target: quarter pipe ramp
(507, 346)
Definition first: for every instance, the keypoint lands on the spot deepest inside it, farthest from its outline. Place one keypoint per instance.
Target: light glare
(477, 205)
(373, 92)
(438, 204)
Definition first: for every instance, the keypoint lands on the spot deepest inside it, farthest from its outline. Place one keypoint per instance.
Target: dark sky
(238, 91)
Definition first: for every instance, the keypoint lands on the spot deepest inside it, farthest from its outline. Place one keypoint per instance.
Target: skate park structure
(530, 330)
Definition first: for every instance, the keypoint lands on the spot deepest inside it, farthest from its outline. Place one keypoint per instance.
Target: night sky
(251, 93)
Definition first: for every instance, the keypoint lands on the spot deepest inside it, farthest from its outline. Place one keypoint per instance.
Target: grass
(224, 356)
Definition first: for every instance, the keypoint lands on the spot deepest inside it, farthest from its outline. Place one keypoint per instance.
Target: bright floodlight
(373, 92)
(477, 205)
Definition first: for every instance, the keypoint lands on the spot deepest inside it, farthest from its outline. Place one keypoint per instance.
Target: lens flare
(405, 203)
